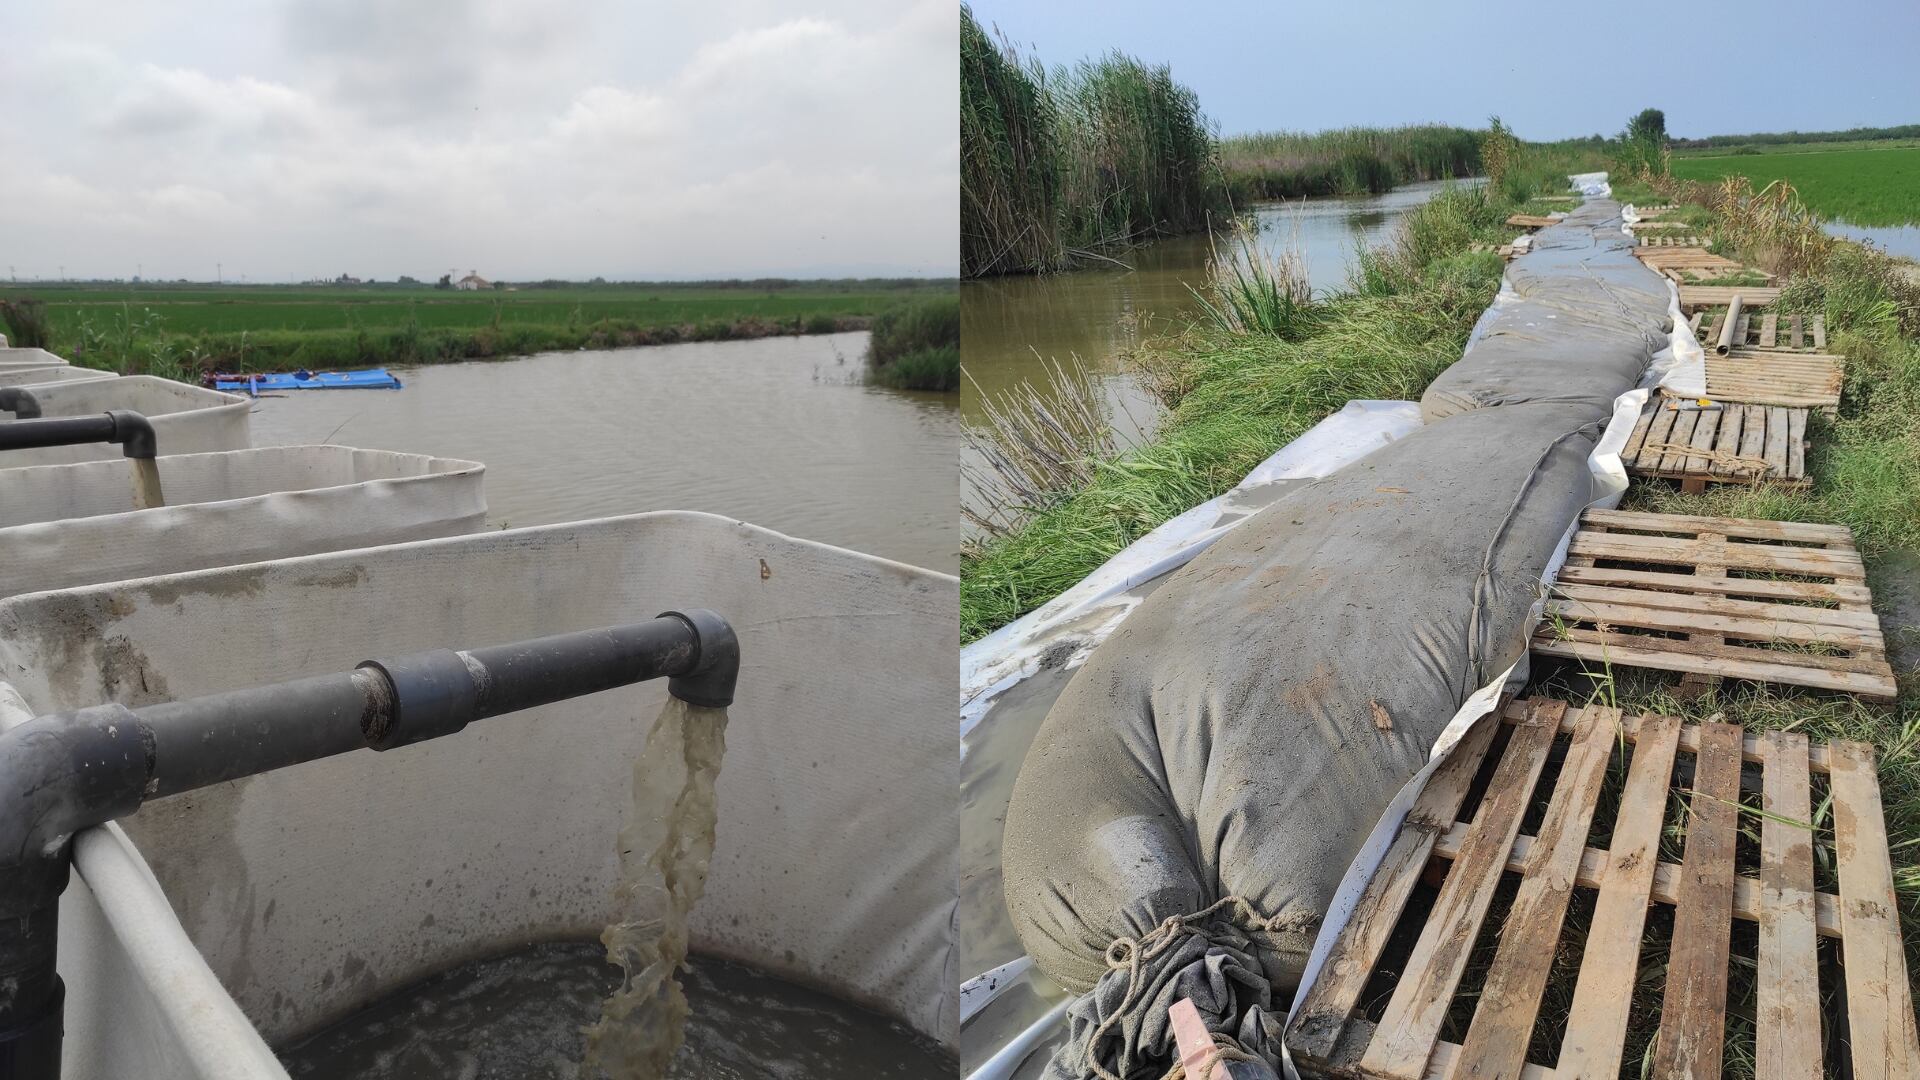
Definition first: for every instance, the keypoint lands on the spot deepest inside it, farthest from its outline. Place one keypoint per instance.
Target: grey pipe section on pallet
(1235, 739)
(65, 772)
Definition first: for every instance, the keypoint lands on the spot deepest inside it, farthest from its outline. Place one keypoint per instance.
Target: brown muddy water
(519, 1017)
(1007, 325)
(777, 431)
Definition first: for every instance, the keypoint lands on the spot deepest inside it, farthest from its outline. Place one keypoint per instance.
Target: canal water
(1009, 326)
(519, 1017)
(1898, 240)
(776, 431)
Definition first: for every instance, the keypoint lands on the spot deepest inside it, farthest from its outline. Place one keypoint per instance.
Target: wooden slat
(1839, 592)
(1658, 433)
(1597, 1021)
(1650, 617)
(1753, 432)
(1776, 452)
(1682, 435)
(1796, 443)
(1740, 329)
(1779, 558)
(1865, 621)
(1740, 528)
(1411, 1024)
(1693, 1014)
(1694, 322)
(1713, 327)
(1819, 331)
(1727, 441)
(1879, 1002)
(1636, 651)
(1769, 330)
(1799, 340)
(1787, 1013)
(1704, 430)
(1721, 295)
(1750, 751)
(1637, 439)
(1319, 1021)
(1496, 1042)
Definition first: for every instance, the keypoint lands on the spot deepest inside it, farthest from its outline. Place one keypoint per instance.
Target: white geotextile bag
(34, 376)
(186, 419)
(67, 525)
(23, 358)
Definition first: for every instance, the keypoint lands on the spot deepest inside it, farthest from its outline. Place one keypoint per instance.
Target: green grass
(1765, 140)
(1862, 187)
(1347, 161)
(1058, 166)
(1235, 397)
(917, 346)
(177, 330)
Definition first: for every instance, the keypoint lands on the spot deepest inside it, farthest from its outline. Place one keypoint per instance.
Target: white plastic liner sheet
(67, 525)
(34, 376)
(186, 419)
(315, 890)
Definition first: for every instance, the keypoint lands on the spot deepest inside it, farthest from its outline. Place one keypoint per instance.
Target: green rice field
(1872, 187)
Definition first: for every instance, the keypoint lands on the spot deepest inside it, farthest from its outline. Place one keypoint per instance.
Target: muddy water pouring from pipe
(146, 484)
(665, 850)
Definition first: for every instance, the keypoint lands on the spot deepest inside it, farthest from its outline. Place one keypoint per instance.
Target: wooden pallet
(1773, 601)
(1734, 444)
(1656, 225)
(1532, 221)
(1505, 251)
(1658, 240)
(1763, 330)
(1765, 377)
(1707, 296)
(1666, 259)
(1335, 1033)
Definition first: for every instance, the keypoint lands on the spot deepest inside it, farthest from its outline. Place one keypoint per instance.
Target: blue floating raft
(368, 379)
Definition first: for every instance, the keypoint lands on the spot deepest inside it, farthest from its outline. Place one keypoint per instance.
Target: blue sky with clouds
(1549, 70)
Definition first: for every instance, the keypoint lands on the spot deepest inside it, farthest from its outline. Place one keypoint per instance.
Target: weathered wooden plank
(1838, 592)
(1322, 1016)
(1630, 650)
(1776, 452)
(1720, 295)
(1777, 557)
(1739, 528)
(1799, 340)
(1496, 1042)
(1411, 1024)
(1681, 435)
(1693, 1014)
(1862, 621)
(1796, 443)
(1658, 434)
(1531, 221)
(1819, 331)
(1650, 617)
(1597, 1021)
(1787, 1017)
(1753, 432)
(1704, 430)
(1769, 329)
(1637, 439)
(1740, 328)
(1863, 663)
(1750, 751)
(1694, 322)
(1879, 999)
(1726, 442)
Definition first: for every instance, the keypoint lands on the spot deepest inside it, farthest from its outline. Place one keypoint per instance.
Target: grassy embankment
(1271, 362)
(1350, 161)
(1060, 166)
(179, 331)
(1875, 184)
(1865, 465)
(917, 347)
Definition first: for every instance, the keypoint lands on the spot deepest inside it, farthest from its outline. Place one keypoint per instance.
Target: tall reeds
(1056, 166)
(917, 346)
(1347, 161)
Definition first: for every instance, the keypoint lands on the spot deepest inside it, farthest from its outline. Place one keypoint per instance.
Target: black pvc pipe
(130, 429)
(19, 401)
(68, 771)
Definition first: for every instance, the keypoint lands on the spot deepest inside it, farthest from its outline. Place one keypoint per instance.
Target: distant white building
(473, 282)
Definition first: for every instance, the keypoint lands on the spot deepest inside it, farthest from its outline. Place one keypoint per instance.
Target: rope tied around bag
(1127, 954)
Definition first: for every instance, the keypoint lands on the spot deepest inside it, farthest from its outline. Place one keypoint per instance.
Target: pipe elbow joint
(134, 433)
(716, 664)
(60, 774)
(20, 402)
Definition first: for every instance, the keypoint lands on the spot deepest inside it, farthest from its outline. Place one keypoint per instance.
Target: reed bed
(1059, 166)
(1347, 161)
(917, 346)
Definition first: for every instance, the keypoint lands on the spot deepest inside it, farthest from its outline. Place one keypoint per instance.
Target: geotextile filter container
(186, 419)
(22, 358)
(305, 894)
(67, 525)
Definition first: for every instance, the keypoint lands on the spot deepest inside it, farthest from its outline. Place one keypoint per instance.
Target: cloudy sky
(1722, 67)
(286, 139)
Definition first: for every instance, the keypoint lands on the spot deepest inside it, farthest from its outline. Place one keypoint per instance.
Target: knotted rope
(1127, 954)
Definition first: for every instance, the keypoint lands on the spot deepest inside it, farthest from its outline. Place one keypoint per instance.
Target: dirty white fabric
(28, 358)
(186, 419)
(67, 525)
(316, 889)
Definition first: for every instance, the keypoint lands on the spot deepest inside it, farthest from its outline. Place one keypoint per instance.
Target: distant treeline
(1056, 165)
(1349, 161)
(860, 285)
(1775, 138)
